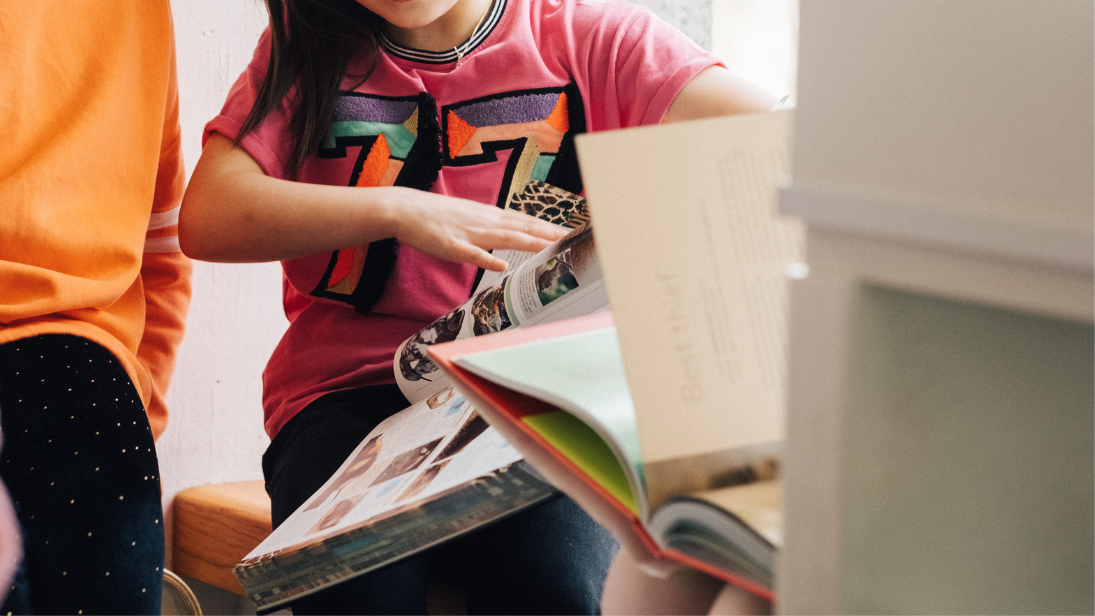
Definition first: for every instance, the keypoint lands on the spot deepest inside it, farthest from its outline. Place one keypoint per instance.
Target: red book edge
(505, 409)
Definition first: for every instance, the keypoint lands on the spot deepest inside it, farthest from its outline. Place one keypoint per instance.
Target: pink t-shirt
(499, 121)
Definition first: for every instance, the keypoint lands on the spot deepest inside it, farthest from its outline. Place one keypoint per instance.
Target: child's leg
(631, 590)
(733, 600)
(79, 460)
(550, 559)
(302, 457)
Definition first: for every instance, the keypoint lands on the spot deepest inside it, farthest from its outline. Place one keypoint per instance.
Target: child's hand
(463, 231)
(233, 212)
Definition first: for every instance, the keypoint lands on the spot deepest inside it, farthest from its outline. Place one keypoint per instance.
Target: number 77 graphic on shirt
(397, 140)
(535, 127)
(527, 135)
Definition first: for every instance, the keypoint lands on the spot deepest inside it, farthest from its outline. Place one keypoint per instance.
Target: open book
(435, 470)
(559, 394)
(665, 422)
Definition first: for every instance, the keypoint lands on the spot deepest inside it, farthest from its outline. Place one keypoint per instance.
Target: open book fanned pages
(558, 393)
(435, 470)
(665, 418)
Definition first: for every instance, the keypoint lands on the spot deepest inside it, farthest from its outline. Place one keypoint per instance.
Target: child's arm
(716, 91)
(233, 212)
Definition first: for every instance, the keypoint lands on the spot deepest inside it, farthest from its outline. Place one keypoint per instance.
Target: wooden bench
(215, 527)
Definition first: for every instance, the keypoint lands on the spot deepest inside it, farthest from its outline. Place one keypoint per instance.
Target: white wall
(693, 17)
(758, 40)
(214, 432)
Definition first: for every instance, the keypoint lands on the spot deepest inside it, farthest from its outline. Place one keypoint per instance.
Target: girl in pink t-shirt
(371, 147)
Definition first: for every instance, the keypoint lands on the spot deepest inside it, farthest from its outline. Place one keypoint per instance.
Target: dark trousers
(79, 461)
(549, 559)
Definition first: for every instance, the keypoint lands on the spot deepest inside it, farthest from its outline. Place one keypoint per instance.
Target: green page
(582, 374)
(587, 450)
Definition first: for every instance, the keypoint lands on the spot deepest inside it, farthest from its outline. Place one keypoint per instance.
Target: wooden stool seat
(215, 527)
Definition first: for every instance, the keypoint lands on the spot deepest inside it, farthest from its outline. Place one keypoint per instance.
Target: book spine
(273, 581)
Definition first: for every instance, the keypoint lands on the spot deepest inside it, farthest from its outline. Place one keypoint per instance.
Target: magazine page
(513, 259)
(432, 446)
(562, 281)
(545, 202)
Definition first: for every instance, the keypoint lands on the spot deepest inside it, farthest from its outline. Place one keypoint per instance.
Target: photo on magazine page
(562, 281)
(431, 446)
(545, 202)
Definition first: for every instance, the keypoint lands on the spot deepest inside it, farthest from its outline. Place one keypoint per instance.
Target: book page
(581, 374)
(427, 448)
(589, 451)
(759, 505)
(513, 259)
(563, 280)
(694, 252)
(737, 529)
(546, 202)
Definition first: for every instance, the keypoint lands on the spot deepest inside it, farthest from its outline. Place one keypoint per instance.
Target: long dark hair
(312, 43)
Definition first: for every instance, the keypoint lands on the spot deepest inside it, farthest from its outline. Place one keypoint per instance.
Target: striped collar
(445, 57)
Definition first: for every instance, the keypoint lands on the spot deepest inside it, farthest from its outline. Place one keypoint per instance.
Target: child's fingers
(466, 231)
(536, 227)
(472, 252)
(510, 239)
(481, 258)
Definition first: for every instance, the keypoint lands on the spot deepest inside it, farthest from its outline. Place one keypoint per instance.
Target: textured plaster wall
(693, 17)
(758, 40)
(215, 431)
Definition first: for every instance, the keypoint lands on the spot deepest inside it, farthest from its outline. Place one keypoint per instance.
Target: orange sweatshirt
(91, 177)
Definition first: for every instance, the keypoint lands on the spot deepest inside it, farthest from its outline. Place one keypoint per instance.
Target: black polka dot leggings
(79, 461)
